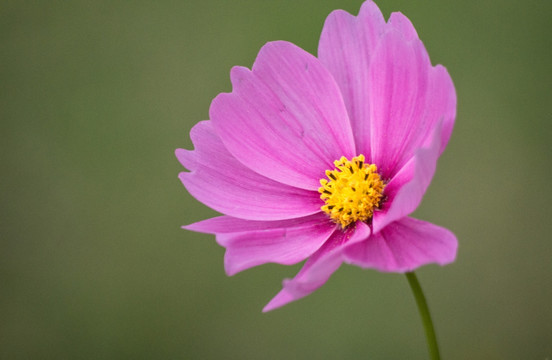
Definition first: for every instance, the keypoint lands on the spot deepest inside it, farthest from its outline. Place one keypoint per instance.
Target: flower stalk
(425, 315)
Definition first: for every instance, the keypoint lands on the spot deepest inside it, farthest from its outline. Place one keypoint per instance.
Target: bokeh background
(96, 95)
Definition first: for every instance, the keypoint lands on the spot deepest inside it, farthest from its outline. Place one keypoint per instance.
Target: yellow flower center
(352, 191)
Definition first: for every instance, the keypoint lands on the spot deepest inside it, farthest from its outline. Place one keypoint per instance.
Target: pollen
(352, 191)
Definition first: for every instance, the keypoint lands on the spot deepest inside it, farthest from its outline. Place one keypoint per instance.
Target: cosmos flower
(323, 159)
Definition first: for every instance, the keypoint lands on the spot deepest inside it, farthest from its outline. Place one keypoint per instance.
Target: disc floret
(352, 191)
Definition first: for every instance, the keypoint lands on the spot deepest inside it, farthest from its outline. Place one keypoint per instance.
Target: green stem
(424, 313)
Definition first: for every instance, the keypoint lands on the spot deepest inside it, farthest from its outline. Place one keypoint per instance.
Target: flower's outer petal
(408, 97)
(221, 182)
(226, 224)
(286, 244)
(346, 46)
(404, 246)
(319, 267)
(285, 119)
(441, 104)
(400, 23)
(406, 189)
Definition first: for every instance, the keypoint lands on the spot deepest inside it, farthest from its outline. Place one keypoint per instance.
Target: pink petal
(346, 46)
(441, 105)
(287, 242)
(285, 119)
(221, 182)
(402, 24)
(227, 224)
(404, 246)
(406, 189)
(319, 267)
(407, 98)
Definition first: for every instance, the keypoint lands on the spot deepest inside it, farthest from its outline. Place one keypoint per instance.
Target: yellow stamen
(352, 191)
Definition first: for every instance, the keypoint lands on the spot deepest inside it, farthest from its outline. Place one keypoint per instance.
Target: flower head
(324, 158)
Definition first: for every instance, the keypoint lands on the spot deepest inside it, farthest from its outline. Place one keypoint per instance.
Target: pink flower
(324, 158)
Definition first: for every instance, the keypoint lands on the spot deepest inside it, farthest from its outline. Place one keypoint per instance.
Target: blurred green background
(95, 97)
